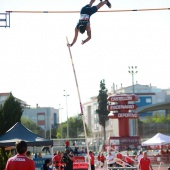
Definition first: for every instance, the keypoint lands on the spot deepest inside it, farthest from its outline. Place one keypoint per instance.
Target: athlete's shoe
(108, 3)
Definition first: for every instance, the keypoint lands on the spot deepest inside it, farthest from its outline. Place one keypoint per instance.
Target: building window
(54, 118)
(148, 100)
(41, 119)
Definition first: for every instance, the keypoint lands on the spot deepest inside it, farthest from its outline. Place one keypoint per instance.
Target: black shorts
(88, 10)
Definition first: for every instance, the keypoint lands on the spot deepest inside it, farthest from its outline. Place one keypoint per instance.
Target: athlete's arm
(75, 38)
(88, 29)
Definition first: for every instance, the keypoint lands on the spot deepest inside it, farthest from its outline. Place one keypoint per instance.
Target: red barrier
(80, 166)
(79, 163)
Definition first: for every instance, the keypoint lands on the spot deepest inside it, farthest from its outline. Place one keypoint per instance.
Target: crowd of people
(164, 152)
(118, 160)
(64, 160)
(23, 159)
(110, 160)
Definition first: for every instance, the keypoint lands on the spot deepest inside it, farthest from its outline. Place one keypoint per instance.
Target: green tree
(75, 128)
(102, 106)
(32, 126)
(10, 113)
(157, 118)
(154, 124)
(168, 118)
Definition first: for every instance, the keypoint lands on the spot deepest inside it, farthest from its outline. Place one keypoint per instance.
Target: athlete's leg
(108, 3)
(91, 10)
(94, 9)
(103, 3)
(91, 2)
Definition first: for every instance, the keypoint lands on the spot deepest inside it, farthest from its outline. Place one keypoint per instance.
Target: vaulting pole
(81, 107)
(121, 10)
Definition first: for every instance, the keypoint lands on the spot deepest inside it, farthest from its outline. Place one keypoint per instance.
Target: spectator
(74, 143)
(167, 151)
(46, 165)
(98, 159)
(119, 159)
(28, 154)
(92, 160)
(20, 161)
(82, 150)
(57, 160)
(68, 159)
(128, 160)
(110, 160)
(101, 159)
(39, 155)
(76, 150)
(66, 144)
(46, 149)
(139, 156)
(145, 163)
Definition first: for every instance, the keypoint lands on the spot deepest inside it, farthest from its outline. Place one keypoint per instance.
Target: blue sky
(35, 62)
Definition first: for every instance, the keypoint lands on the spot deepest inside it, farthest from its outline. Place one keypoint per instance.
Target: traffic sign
(130, 115)
(122, 107)
(124, 97)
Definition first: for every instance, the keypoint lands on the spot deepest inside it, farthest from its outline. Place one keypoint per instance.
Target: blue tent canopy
(20, 132)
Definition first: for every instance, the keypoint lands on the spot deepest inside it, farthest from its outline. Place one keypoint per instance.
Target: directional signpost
(123, 109)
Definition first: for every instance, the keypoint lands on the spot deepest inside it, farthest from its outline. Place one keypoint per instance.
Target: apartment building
(45, 117)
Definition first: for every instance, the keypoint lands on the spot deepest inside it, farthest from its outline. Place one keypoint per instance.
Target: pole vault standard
(81, 107)
(124, 10)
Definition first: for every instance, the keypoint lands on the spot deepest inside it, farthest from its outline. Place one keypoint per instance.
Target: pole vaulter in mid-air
(84, 21)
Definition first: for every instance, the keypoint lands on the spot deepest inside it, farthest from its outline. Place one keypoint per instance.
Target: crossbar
(124, 10)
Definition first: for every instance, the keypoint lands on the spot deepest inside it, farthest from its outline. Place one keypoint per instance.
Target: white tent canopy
(158, 139)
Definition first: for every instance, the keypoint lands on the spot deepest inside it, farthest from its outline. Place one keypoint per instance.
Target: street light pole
(133, 71)
(61, 120)
(66, 95)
